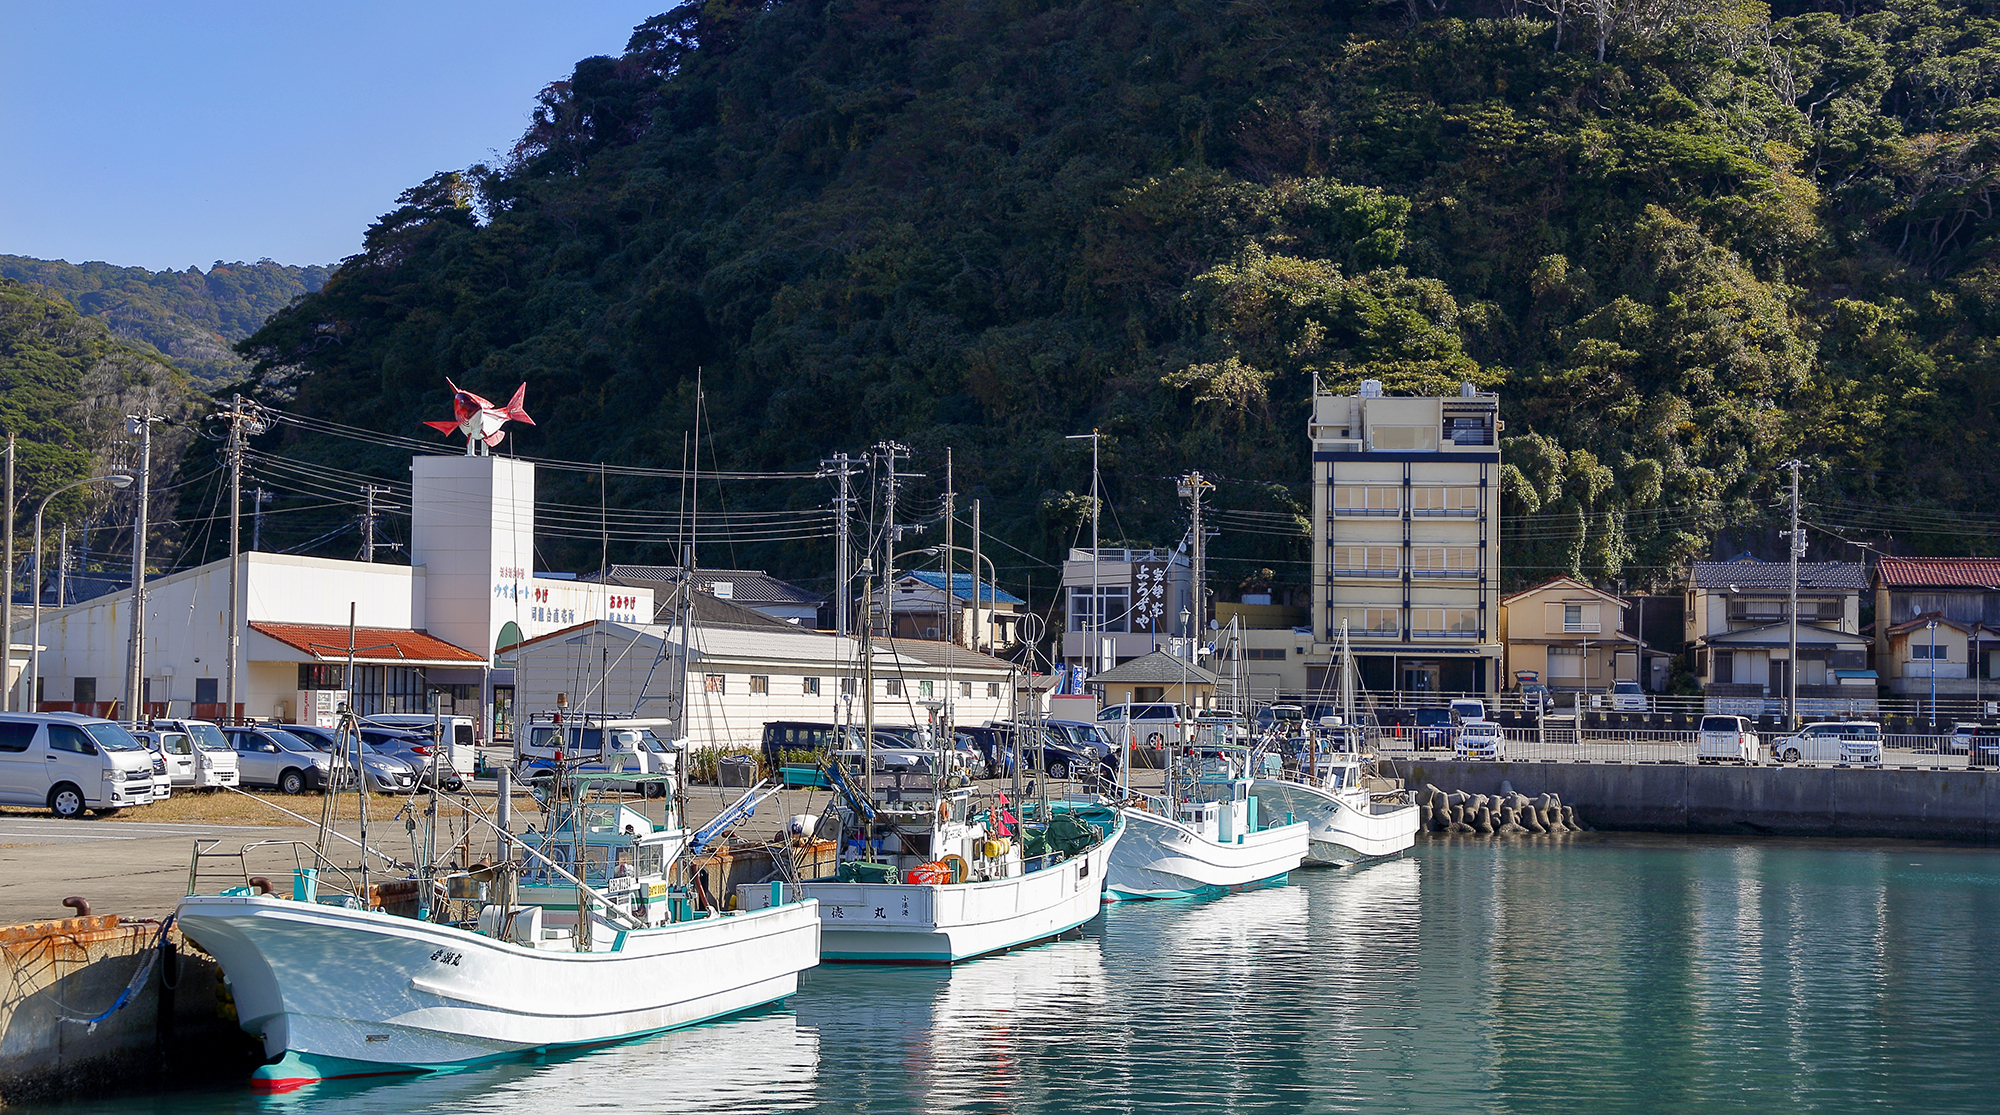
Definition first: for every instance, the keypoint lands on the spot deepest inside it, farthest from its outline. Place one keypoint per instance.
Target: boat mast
(945, 737)
(868, 705)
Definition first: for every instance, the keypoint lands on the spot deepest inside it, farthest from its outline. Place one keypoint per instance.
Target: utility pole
(888, 452)
(977, 591)
(1191, 488)
(135, 655)
(62, 567)
(842, 468)
(1095, 627)
(7, 592)
(1797, 545)
(239, 415)
(368, 543)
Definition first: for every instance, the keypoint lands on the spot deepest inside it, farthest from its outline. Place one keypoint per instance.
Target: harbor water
(1600, 972)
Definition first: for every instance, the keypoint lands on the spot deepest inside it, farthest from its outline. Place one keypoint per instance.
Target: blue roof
(961, 587)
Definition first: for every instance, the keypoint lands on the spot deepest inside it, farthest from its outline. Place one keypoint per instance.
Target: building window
(992, 689)
(924, 689)
(1367, 561)
(1368, 621)
(809, 686)
(1754, 609)
(1566, 662)
(1455, 623)
(1444, 499)
(760, 685)
(714, 683)
(83, 690)
(1444, 561)
(849, 687)
(1113, 612)
(322, 675)
(1925, 652)
(383, 689)
(1725, 666)
(965, 689)
(893, 687)
(1420, 439)
(1367, 499)
(1573, 619)
(1262, 654)
(205, 691)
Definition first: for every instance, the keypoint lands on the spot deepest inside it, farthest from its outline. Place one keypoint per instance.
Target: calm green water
(1600, 973)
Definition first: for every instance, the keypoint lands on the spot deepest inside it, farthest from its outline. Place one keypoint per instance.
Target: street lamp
(118, 480)
(993, 583)
(1932, 626)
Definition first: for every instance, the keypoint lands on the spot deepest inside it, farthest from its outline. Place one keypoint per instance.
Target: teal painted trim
(1116, 894)
(293, 1070)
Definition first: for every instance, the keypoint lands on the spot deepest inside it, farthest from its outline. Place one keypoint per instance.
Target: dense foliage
(1683, 239)
(66, 385)
(190, 317)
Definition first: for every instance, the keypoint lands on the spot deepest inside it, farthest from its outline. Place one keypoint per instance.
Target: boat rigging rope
(132, 986)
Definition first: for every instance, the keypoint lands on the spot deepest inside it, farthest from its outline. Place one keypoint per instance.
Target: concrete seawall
(176, 1026)
(1794, 801)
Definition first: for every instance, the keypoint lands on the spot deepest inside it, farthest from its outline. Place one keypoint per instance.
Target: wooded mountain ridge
(1684, 242)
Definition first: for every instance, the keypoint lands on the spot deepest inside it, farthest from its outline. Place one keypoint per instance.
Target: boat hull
(903, 923)
(1346, 829)
(337, 992)
(1160, 858)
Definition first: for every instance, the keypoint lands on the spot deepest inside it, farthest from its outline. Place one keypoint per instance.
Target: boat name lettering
(835, 912)
(513, 572)
(881, 913)
(446, 956)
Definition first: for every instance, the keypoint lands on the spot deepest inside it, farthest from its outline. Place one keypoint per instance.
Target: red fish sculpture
(479, 420)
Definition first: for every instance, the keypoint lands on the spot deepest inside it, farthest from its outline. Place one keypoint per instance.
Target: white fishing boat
(591, 931)
(934, 881)
(1207, 834)
(1325, 786)
(1348, 824)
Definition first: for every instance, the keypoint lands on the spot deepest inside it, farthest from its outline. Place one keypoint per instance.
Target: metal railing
(1559, 741)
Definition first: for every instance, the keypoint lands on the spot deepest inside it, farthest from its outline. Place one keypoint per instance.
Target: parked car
(1222, 726)
(1982, 745)
(217, 762)
(1284, 720)
(1857, 742)
(1087, 738)
(1434, 728)
(1480, 739)
(1056, 756)
(1535, 697)
(1726, 739)
(277, 758)
(1626, 696)
(460, 745)
(176, 751)
(1154, 724)
(68, 764)
(1465, 709)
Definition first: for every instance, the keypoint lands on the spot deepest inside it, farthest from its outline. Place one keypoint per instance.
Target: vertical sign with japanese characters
(1149, 595)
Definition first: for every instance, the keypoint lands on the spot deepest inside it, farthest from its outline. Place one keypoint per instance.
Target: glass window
(1367, 561)
(850, 686)
(1113, 611)
(924, 689)
(760, 685)
(809, 686)
(83, 691)
(1422, 439)
(893, 687)
(67, 737)
(715, 683)
(992, 689)
(16, 736)
(965, 689)
(111, 737)
(1367, 499)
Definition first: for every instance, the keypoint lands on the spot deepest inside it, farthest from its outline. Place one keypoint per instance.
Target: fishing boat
(592, 929)
(936, 876)
(1324, 784)
(1205, 834)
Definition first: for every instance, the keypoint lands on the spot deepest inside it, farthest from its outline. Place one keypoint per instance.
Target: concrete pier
(1956, 805)
(177, 1024)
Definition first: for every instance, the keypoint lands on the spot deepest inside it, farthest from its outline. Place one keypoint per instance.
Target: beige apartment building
(1406, 540)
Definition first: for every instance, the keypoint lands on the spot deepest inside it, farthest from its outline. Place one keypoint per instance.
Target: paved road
(129, 868)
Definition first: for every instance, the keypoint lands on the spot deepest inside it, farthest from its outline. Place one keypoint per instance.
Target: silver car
(272, 757)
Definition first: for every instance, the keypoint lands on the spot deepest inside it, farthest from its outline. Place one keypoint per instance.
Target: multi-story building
(1121, 604)
(1406, 539)
(1937, 624)
(1738, 622)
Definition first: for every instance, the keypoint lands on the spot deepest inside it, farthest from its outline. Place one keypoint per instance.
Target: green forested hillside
(190, 317)
(66, 385)
(1684, 243)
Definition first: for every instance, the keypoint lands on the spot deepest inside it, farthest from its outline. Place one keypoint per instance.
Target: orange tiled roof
(328, 642)
(1897, 572)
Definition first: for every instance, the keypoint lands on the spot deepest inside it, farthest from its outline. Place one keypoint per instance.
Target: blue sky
(172, 133)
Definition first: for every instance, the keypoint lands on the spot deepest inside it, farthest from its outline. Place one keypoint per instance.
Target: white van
(590, 746)
(1853, 742)
(1726, 739)
(458, 732)
(68, 763)
(216, 765)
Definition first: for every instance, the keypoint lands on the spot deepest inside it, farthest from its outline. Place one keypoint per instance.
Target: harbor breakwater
(60, 1036)
(1778, 800)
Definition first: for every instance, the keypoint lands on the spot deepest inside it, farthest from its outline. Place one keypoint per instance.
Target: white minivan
(1725, 739)
(68, 764)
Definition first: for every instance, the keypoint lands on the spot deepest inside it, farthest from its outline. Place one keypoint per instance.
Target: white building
(434, 624)
(1406, 539)
(745, 671)
(1122, 604)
